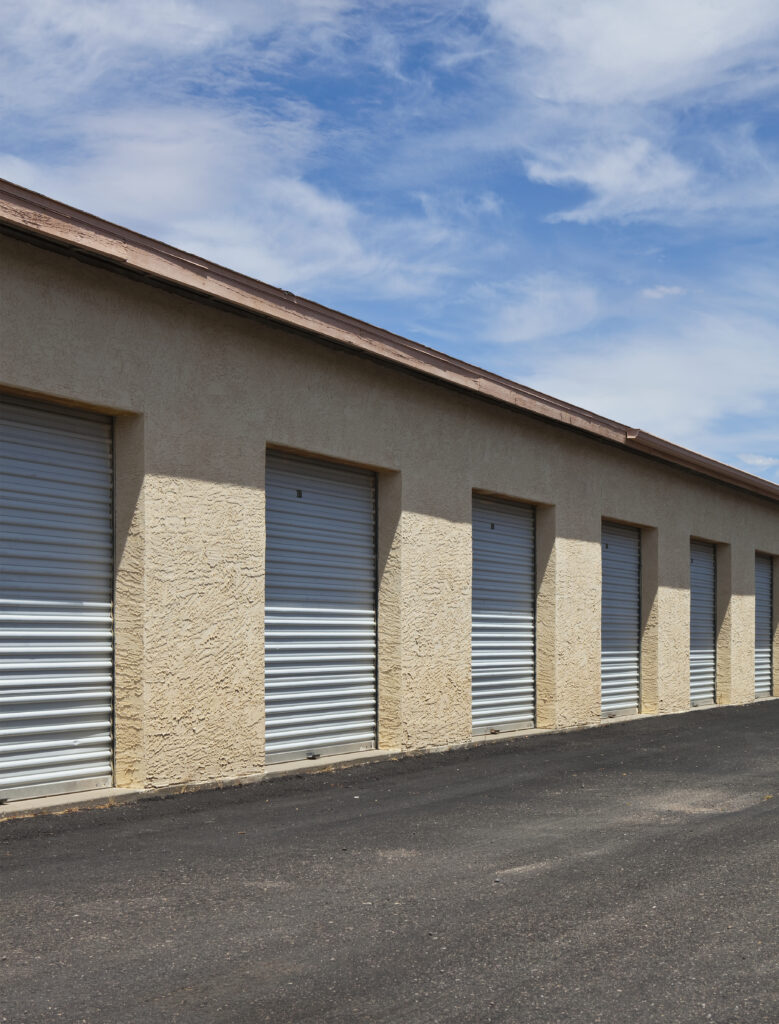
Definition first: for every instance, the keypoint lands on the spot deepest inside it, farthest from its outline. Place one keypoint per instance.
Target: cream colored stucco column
(203, 588)
(430, 626)
(650, 621)
(568, 628)
(546, 617)
(736, 623)
(129, 602)
(390, 610)
(665, 646)
(203, 651)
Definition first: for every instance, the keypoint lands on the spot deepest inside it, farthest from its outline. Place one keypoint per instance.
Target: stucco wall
(200, 393)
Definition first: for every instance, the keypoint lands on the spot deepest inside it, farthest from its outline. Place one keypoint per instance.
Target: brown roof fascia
(35, 214)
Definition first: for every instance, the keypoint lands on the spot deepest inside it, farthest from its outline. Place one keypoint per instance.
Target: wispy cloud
(662, 291)
(608, 92)
(55, 49)
(611, 52)
(540, 306)
(174, 117)
(762, 461)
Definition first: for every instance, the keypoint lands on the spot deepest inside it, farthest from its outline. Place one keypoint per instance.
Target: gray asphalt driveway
(625, 874)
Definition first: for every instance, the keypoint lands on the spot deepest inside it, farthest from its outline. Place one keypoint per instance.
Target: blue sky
(578, 194)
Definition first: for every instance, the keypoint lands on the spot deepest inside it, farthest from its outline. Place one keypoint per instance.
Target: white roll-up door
(503, 616)
(703, 623)
(56, 590)
(764, 617)
(320, 608)
(620, 619)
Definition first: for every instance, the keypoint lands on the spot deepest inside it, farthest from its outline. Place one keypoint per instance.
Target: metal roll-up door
(620, 619)
(764, 617)
(320, 608)
(703, 623)
(56, 589)
(503, 618)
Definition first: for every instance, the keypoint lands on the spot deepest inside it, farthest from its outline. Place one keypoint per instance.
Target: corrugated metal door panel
(56, 591)
(320, 608)
(620, 619)
(503, 616)
(703, 623)
(764, 615)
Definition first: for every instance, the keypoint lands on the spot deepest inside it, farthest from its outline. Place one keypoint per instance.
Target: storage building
(238, 529)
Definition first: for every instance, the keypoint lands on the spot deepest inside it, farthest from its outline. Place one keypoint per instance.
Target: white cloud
(596, 87)
(539, 306)
(628, 175)
(608, 52)
(155, 114)
(761, 461)
(51, 50)
(607, 93)
(662, 291)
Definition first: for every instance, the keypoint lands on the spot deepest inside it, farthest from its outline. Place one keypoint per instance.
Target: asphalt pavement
(624, 874)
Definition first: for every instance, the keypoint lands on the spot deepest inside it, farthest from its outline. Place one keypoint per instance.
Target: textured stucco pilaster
(129, 602)
(390, 610)
(577, 615)
(546, 617)
(650, 621)
(671, 618)
(725, 635)
(204, 630)
(435, 538)
(736, 638)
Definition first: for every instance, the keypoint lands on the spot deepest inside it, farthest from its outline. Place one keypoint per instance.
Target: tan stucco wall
(199, 393)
